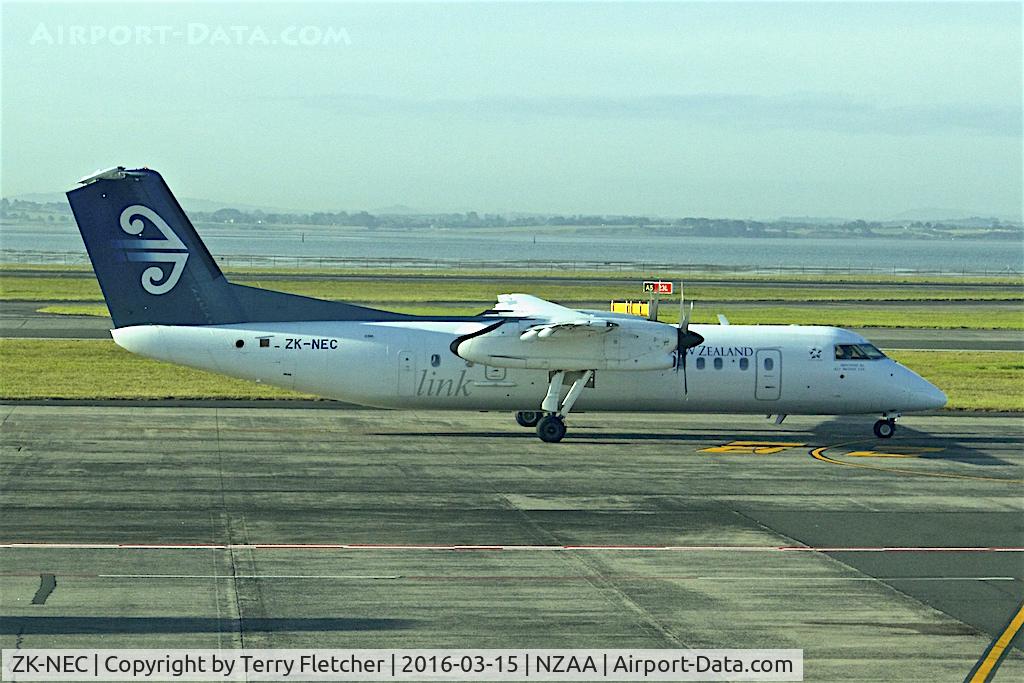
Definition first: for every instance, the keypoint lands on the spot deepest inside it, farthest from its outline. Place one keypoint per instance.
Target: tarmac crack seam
(594, 576)
(10, 412)
(261, 605)
(216, 586)
(226, 524)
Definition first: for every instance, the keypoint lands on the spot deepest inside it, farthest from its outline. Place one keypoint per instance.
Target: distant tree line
(59, 212)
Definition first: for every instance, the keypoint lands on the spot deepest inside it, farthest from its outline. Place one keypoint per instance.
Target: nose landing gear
(886, 427)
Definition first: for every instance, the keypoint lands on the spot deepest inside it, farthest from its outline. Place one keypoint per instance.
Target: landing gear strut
(551, 427)
(528, 418)
(885, 428)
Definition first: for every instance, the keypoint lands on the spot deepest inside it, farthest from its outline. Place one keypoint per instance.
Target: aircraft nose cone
(936, 397)
(926, 396)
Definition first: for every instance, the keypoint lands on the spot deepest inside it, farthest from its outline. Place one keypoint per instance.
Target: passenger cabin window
(857, 352)
(744, 363)
(435, 360)
(769, 364)
(718, 364)
(700, 363)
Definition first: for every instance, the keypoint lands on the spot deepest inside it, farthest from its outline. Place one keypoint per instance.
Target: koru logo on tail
(170, 249)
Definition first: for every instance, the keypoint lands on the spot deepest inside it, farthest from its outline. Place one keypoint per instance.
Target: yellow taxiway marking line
(902, 452)
(753, 447)
(986, 666)
(819, 454)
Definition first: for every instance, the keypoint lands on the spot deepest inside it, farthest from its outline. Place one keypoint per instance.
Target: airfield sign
(657, 287)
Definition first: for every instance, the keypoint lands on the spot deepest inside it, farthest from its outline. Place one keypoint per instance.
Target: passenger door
(406, 373)
(768, 364)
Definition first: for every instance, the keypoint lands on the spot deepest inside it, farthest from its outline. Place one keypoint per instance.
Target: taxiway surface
(221, 527)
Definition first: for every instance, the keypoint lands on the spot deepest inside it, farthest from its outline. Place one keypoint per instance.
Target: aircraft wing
(558, 320)
(526, 306)
(545, 335)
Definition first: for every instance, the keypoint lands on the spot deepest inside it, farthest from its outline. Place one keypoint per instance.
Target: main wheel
(551, 428)
(528, 418)
(884, 429)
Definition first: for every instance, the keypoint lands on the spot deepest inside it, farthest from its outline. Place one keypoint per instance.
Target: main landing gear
(550, 419)
(886, 427)
(551, 428)
(528, 418)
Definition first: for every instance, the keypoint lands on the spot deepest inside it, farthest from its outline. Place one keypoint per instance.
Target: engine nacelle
(630, 345)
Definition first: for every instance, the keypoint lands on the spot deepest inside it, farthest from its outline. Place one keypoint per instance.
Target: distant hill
(209, 205)
(813, 220)
(398, 210)
(189, 203)
(935, 215)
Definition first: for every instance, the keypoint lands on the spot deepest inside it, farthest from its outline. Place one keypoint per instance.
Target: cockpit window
(857, 352)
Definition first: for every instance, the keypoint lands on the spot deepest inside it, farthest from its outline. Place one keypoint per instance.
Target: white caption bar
(402, 665)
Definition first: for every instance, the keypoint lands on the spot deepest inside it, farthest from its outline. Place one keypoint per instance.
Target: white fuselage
(763, 369)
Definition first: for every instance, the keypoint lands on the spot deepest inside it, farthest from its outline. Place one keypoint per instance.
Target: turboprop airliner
(170, 301)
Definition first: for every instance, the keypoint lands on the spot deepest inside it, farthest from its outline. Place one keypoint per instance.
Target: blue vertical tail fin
(150, 263)
(155, 270)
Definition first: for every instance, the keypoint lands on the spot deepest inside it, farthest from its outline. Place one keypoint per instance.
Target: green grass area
(97, 310)
(95, 369)
(484, 291)
(972, 380)
(49, 289)
(949, 316)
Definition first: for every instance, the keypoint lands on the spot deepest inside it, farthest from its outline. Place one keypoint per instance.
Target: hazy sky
(744, 110)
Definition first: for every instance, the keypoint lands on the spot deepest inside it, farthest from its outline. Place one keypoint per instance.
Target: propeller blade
(684, 320)
(685, 339)
(686, 386)
(684, 312)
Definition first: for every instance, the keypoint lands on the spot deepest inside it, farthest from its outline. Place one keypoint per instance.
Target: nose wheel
(884, 429)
